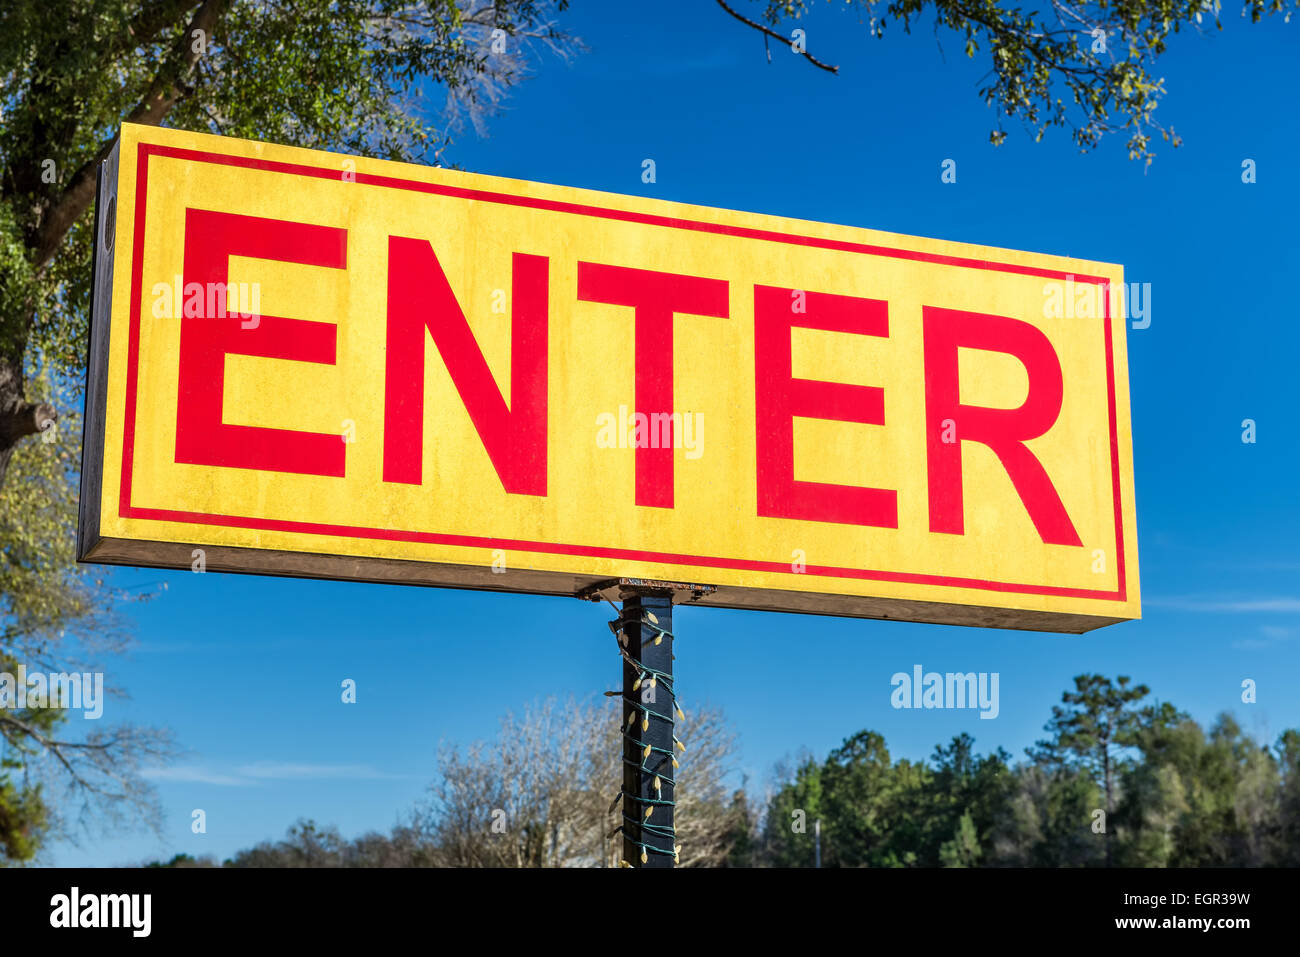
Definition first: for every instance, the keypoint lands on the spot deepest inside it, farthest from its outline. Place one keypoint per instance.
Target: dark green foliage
(1115, 782)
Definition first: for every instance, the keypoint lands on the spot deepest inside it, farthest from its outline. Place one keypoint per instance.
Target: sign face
(316, 365)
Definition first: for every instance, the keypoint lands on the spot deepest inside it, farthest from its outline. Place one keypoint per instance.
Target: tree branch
(164, 92)
(153, 18)
(25, 419)
(776, 36)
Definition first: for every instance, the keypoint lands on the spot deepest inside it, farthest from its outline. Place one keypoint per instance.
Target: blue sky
(246, 670)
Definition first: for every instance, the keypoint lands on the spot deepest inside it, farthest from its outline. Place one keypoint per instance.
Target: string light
(653, 678)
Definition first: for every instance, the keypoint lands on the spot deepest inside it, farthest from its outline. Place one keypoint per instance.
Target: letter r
(1005, 431)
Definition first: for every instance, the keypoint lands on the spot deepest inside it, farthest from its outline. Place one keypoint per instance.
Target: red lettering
(420, 297)
(202, 438)
(779, 397)
(1005, 431)
(656, 297)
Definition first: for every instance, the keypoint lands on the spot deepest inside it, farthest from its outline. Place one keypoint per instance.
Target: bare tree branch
(776, 36)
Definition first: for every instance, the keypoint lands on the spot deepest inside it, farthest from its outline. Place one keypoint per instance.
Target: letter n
(419, 298)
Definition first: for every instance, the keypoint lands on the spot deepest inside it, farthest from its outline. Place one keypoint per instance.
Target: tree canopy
(1116, 783)
(1084, 66)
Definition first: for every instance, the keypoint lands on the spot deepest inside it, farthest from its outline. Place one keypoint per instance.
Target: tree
(1093, 733)
(878, 813)
(964, 848)
(1287, 751)
(742, 832)
(183, 861)
(58, 618)
(1048, 820)
(540, 794)
(341, 74)
(875, 809)
(1202, 800)
(792, 813)
(1083, 65)
(968, 798)
(308, 844)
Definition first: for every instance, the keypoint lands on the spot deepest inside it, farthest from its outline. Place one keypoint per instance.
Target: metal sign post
(649, 744)
(651, 748)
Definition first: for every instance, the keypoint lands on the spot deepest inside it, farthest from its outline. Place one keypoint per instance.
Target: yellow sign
(311, 364)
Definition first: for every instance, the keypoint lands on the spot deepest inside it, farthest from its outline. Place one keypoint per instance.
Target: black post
(652, 710)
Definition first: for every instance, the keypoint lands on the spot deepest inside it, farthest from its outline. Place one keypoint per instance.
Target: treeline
(539, 795)
(1116, 782)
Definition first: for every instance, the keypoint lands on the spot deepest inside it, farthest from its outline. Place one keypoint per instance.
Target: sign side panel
(1124, 454)
(101, 313)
